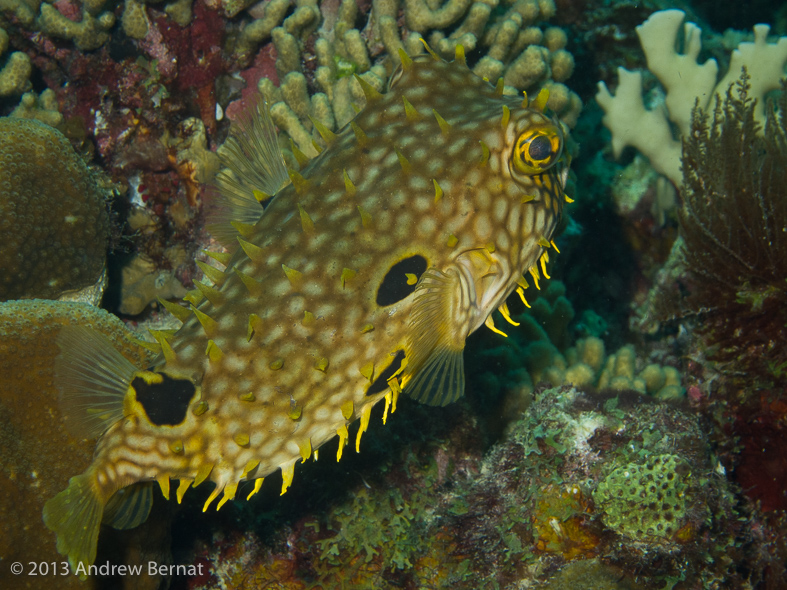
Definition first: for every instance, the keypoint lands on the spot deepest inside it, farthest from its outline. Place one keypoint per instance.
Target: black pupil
(540, 148)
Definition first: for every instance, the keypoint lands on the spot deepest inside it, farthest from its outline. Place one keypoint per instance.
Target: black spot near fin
(164, 399)
(381, 383)
(397, 284)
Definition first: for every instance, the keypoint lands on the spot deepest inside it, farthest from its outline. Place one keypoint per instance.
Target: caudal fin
(74, 515)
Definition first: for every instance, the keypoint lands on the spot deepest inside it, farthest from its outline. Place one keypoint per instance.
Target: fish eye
(165, 399)
(536, 150)
(400, 280)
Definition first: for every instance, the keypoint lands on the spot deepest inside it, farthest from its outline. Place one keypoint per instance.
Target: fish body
(363, 276)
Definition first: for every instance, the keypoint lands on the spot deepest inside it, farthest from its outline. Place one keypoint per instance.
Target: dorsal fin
(253, 163)
(93, 378)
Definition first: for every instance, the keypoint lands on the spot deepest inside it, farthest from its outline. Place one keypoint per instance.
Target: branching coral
(513, 45)
(734, 249)
(685, 81)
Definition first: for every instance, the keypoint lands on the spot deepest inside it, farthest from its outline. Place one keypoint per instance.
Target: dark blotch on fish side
(394, 287)
(165, 403)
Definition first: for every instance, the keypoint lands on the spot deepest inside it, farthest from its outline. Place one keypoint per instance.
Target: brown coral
(53, 216)
(37, 454)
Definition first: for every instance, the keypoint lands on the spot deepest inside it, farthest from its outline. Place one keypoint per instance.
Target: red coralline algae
(197, 53)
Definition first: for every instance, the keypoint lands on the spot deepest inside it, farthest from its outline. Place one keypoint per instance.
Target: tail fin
(74, 515)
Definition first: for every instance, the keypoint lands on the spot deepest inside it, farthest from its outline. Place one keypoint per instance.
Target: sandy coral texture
(53, 216)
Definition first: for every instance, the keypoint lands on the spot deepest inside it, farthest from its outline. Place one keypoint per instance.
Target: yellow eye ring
(537, 149)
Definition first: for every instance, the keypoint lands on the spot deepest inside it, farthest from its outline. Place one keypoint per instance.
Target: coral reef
(15, 72)
(53, 214)
(38, 455)
(685, 82)
(513, 45)
(521, 515)
(542, 349)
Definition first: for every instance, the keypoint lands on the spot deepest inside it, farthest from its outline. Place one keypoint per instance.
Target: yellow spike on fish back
(388, 399)
(251, 465)
(407, 61)
(306, 222)
(253, 286)
(347, 274)
(213, 352)
(253, 251)
(327, 135)
(407, 168)
(349, 187)
(521, 293)
(499, 87)
(429, 50)
(484, 153)
(459, 54)
(368, 370)
(180, 312)
(534, 273)
(166, 348)
(209, 325)
(220, 257)
(541, 100)
(503, 309)
(438, 192)
(212, 294)
(213, 273)
(506, 117)
(369, 91)
(300, 183)
(348, 409)
(300, 157)
(544, 259)
(360, 135)
(445, 126)
(294, 276)
(366, 219)
(410, 112)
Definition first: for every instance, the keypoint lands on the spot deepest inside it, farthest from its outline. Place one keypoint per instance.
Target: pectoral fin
(129, 507)
(435, 367)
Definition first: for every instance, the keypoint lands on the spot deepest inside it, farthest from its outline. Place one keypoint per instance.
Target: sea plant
(733, 224)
